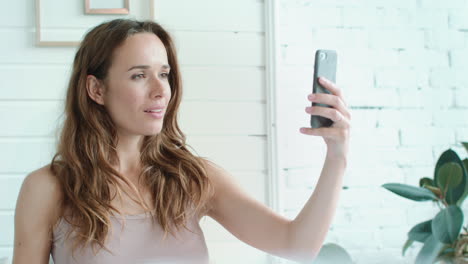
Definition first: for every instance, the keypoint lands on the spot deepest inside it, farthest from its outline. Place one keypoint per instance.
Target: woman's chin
(153, 132)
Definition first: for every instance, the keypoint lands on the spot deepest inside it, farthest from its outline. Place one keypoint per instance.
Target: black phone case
(325, 66)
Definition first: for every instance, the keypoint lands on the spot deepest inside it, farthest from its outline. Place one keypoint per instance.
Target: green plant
(332, 253)
(442, 236)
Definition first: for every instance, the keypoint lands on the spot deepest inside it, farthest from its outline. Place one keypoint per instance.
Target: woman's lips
(157, 115)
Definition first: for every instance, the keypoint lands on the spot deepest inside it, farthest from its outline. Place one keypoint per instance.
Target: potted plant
(332, 253)
(443, 238)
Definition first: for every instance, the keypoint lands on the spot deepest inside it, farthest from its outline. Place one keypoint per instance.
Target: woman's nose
(157, 86)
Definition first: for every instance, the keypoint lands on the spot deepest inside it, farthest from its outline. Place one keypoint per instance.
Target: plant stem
(445, 203)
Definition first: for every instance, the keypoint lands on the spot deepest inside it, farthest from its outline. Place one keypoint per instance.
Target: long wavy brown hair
(86, 148)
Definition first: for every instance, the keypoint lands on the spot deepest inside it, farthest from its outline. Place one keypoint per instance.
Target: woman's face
(136, 82)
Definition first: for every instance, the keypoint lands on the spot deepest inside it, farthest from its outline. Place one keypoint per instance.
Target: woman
(123, 179)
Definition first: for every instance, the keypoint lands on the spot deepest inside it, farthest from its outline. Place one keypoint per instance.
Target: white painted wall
(402, 66)
(221, 51)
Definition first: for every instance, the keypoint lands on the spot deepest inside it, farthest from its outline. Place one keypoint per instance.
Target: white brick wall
(402, 67)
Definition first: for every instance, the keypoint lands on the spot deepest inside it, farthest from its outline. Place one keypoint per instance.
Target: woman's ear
(95, 89)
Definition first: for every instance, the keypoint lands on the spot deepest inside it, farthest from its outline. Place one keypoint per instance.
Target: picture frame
(112, 8)
(66, 27)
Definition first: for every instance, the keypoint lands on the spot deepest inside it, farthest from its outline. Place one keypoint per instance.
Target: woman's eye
(137, 76)
(165, 74)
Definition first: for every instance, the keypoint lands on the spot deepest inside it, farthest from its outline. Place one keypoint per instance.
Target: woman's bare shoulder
(42, 185)
(44, 177)
(36, 210)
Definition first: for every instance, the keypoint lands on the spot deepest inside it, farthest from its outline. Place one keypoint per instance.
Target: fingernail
(311, 96)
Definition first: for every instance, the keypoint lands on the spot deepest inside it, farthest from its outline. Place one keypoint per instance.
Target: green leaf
(450, 175)
(460, 201)
(426, 182)
(407, 244)
(410, 192)
(457, 193)
(429, 251)
(421, 231)
(447, 224)
(331, 253)
(465, 144)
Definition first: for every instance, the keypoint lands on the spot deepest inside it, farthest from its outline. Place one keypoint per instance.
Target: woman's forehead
(141, 49)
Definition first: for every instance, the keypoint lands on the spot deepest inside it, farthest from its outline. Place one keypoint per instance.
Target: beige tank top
(139, 242)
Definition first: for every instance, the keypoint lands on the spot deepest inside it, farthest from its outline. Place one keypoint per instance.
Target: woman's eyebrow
(165, 66)
(139, 67)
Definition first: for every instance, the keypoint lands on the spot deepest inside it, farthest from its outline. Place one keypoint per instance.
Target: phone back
(325, 66)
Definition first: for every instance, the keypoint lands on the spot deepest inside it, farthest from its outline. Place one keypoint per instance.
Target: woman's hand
(337, 135)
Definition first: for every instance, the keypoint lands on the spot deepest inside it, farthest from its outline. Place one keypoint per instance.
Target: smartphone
(325, 66)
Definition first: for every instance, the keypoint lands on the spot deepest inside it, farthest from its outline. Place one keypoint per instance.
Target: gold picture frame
(67, 27)
(90, 10)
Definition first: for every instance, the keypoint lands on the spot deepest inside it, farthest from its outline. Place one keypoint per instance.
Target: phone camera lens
(323, 56)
